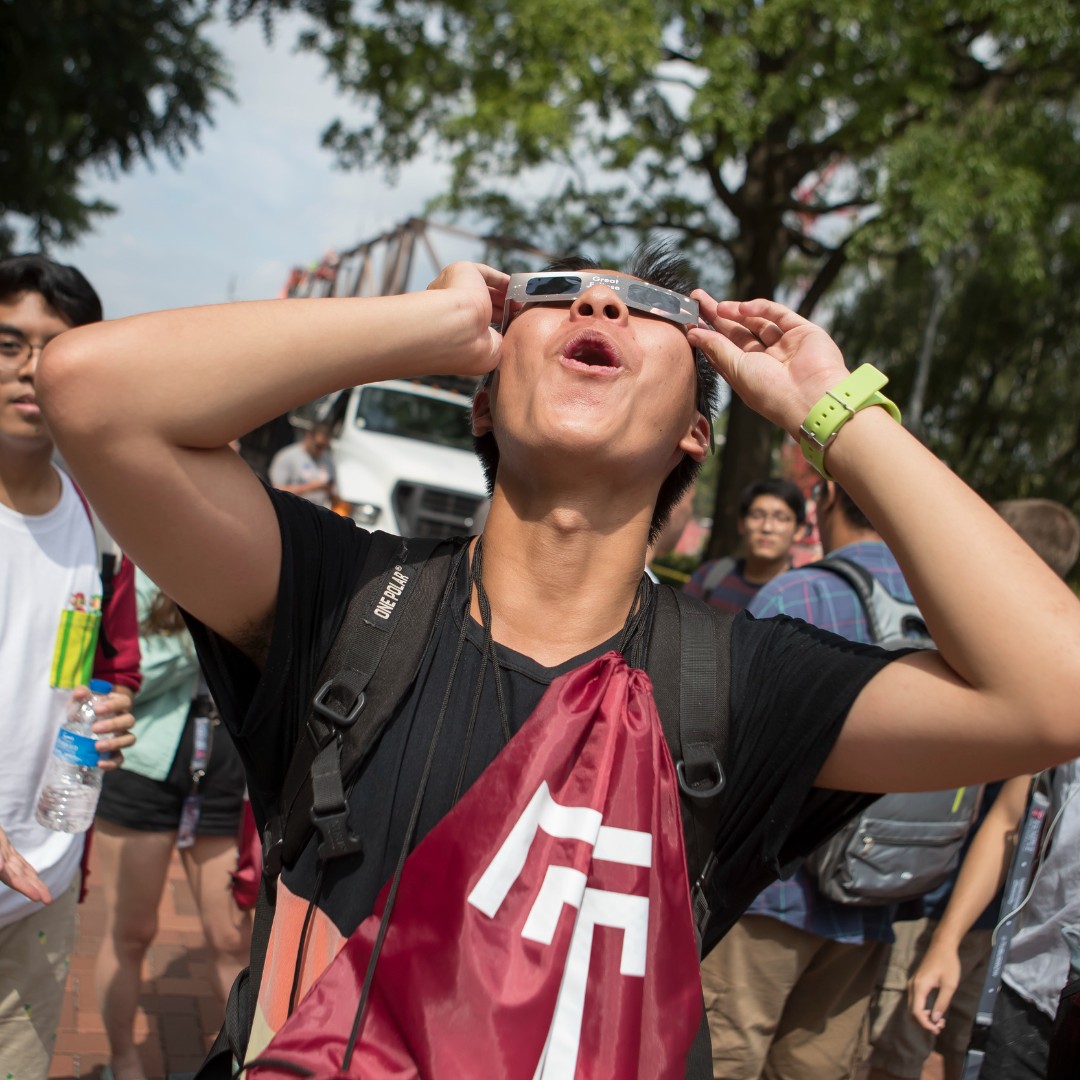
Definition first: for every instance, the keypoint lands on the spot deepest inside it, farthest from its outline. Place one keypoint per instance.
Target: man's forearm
(986, 863)
(203, 376)
(1001, 619)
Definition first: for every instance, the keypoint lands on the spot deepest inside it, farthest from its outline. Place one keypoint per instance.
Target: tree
(1003, 393)
(102, 84)
(778, 140)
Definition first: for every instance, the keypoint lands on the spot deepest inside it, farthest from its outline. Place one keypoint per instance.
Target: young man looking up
(771, 514)
(593, 420)
(48, 566)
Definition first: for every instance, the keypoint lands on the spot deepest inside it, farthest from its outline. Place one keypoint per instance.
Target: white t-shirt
(44, 562)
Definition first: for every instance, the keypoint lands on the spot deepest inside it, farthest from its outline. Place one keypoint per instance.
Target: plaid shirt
(731, 593)
(824, 599)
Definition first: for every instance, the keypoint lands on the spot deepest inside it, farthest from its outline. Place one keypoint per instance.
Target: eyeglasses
(778, 517)
(15, 351)
(560, 287)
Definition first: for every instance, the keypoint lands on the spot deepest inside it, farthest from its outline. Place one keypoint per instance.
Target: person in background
(771, 513)
(307, 467)
(51, 591)
(900, 1045)
(183, 750)
(787, 990)
(1038, 961)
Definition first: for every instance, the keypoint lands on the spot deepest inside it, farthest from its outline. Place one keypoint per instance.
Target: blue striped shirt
(824, 599)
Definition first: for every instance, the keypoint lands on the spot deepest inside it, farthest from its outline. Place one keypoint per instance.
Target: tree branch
(826, 275)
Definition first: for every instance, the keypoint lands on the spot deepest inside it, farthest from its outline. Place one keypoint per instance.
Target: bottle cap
(100, 686)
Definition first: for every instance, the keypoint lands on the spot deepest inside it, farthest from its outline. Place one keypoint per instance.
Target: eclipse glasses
(565, 286)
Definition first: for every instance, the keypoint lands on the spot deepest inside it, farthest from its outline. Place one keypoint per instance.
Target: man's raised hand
(779, 363)
(484, 290)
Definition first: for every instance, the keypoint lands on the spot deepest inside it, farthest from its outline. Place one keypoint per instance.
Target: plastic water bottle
(72, 785)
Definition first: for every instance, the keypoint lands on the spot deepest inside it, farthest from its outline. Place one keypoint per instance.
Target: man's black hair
(781, 489)
(62, 287)
(658, 263)
(850, 509)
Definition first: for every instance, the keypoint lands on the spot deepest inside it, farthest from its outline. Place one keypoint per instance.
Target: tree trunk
(746, 457)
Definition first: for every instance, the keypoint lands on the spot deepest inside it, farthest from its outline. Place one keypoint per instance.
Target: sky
(260, 196)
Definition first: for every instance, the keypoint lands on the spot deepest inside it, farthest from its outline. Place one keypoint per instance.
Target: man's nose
(600, 301)
(28, 368)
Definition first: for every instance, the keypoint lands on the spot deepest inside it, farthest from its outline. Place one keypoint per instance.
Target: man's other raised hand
(779, 363)
(484, 289)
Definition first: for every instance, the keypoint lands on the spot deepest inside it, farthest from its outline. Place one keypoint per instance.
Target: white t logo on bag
(563, 885)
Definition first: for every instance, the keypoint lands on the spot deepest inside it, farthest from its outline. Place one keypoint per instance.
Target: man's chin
(25, 433)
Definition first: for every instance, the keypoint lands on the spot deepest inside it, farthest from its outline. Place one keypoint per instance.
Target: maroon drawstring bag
(542, 929)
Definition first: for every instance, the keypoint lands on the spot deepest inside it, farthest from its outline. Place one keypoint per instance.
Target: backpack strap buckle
(273, 843)
(335, 694)
(329, 808)
(701, 776)
(699, 902)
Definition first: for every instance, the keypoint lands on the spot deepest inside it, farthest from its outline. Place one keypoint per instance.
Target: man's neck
(843, 534)
(28, 482)
(560, 580)
(760, 571)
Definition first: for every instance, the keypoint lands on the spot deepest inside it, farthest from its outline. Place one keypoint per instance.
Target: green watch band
(860, 390)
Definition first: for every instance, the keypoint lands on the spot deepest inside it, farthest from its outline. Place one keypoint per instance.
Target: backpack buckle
(706, 779)
(327, 707)
(273, 848)
(333, 827)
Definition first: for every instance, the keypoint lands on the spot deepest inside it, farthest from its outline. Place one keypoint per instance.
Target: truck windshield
(390, 412)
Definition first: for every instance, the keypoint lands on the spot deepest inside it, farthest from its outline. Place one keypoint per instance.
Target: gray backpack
(901, 846)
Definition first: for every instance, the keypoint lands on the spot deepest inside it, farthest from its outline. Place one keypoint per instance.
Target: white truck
(404, 455)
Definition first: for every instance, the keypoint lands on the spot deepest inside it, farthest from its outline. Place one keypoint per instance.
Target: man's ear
(481, 412)
(696, 441)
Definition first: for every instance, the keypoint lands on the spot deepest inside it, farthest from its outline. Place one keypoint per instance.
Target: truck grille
(429, 511)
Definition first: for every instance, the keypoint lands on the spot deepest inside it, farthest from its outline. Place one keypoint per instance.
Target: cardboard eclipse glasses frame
(565, 286)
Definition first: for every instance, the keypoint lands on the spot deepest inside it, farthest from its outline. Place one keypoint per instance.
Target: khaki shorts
(785, 1004)
(35, 954)
(899, 1045)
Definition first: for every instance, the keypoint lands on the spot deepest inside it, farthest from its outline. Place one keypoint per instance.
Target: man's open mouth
(592, 351)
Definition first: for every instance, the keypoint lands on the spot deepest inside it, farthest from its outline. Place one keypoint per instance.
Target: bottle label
(75, 749)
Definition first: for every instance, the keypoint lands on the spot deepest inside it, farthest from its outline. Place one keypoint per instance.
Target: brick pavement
(179, 1014)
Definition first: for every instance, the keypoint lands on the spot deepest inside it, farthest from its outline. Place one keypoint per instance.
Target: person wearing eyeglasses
(772, 513)
(592, 417)
(50, 578)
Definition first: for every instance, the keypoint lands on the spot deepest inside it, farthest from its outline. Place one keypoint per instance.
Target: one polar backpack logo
(566, 886)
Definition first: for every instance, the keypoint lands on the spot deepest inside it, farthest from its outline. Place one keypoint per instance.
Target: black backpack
(901, 846)
(688, 663)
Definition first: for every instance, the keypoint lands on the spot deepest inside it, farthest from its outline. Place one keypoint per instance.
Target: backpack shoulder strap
(862, 583)
(717, 572)
(890, 620)
(355, 695)
(689, 663)
(109, 557)
(354, 698)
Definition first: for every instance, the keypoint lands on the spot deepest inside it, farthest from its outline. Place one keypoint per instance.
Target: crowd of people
(592, 417)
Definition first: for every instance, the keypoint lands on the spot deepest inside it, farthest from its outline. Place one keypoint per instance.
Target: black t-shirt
(791, 687)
